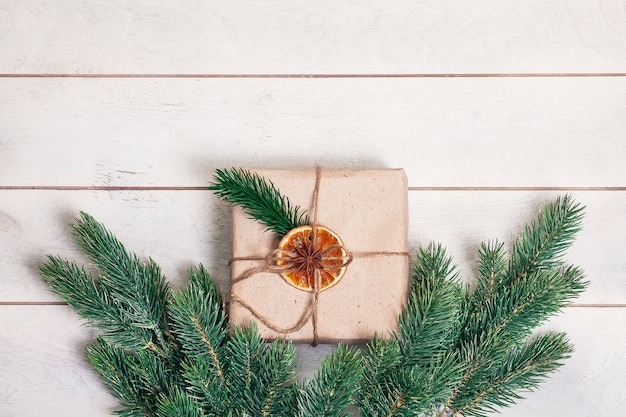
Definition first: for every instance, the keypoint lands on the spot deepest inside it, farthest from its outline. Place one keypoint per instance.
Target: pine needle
(111, 364)
(179, 405)
(545, 239)
(511, 299)
(198, 321)
(259, 199)
(260, 375)
(523, 368)
(128, 300)
(432, 312)
(332, 390)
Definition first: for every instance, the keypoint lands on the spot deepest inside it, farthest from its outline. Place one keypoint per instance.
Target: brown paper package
(368, 209)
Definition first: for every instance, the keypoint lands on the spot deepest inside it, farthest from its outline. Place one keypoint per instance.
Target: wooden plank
(461, 220)
(593, 380)
(180, 229)
(445, 132)
(309, 36)
(45, 374)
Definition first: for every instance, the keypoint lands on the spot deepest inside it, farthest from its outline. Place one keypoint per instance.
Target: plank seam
(205, 188)
(495, 188)
(307, 76)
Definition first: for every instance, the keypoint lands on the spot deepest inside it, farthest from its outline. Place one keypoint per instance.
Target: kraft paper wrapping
(368, 209)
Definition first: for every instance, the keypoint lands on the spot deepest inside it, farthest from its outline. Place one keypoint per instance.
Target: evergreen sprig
(259, 199)
(416, 371)
(332, 391)
(458, 351)
(170, 353)
(137, 318)
(512, 297)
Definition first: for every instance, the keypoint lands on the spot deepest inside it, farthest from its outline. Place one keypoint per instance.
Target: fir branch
(206, 387)
(138, 290)
(199, 322)
(409, 391)
(380, 362)
(510, 301)
(425, 387)
(244, 348)
(492, 270)
(111, 364)
(277, 377)
(155, 375)
(94, 302)
(546, 238)
(179, 404)
(433, 264)
(80, 291)
(431, 315)
(332, 390)
(523, 369)
(530, 303)
(165, 353)
(479, 309)
(417, 370)
(513, 312)
(259, 199)
(478, 356)
(260, 376)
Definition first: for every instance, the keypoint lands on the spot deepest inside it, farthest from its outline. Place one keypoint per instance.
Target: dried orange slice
(302, 257)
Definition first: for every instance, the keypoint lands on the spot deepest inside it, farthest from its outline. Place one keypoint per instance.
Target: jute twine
(315, 261)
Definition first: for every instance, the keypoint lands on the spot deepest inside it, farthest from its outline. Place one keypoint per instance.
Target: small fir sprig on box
(259, 199)
(458, 351)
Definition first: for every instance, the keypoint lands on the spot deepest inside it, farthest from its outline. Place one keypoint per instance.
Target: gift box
(368, 210)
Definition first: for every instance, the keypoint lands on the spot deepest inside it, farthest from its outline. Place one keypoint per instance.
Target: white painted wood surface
(309, 36)
(132, 151)
(49, 376)
(192, 227)
(443, 132)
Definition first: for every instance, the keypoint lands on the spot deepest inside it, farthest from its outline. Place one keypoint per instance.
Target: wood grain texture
(43, 368)
(444, 132)
(180, 229)
(308, 36)
(593, 381)
(491, 107)
(462, 220)
(45, 374)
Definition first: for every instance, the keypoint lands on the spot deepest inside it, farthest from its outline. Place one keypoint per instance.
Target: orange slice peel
(305, 256)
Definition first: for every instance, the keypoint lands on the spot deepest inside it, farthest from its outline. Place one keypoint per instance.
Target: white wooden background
(124, 109)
